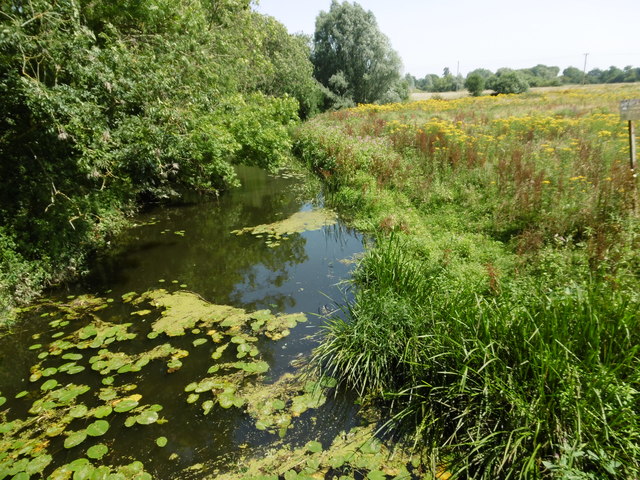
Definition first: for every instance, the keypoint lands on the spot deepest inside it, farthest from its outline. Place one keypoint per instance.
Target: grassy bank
(499, 311)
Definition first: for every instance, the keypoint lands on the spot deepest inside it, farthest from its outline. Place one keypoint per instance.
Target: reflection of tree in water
(208, 259)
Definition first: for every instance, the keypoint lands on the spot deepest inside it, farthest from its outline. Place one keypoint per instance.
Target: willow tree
(352, 58)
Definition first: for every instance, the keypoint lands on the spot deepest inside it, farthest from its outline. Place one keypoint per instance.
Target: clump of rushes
(500, 318)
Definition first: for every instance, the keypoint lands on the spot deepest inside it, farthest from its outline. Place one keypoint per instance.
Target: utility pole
(584, 70)
(457, 75)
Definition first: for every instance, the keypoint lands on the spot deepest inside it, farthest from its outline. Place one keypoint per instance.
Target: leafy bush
(109, 103)
(508, 82)
(475, 84)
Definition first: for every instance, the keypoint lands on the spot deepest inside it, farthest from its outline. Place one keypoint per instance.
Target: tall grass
(527, 383)
(501, 319)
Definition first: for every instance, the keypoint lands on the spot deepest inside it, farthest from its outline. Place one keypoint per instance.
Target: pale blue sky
(432, 34)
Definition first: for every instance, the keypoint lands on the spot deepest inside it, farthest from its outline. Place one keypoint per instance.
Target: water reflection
(191, 245)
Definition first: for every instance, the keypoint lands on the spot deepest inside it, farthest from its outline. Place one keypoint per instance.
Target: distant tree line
(506, 80)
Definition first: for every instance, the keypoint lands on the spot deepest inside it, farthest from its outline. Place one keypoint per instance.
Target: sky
(464, 35)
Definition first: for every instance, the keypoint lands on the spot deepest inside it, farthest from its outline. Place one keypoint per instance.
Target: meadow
(497, 316)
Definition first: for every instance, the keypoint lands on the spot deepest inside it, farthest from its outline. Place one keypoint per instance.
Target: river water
(184, 248)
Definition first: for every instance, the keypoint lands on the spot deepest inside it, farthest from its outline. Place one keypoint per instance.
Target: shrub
(508, 82)
(475, 84)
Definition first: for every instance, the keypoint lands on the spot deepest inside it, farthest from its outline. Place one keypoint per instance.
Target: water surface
(190, 247)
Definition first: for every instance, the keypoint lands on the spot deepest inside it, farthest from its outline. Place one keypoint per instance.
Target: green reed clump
(524, 383)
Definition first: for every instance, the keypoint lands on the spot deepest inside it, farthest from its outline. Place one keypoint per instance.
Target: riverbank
(499, 310)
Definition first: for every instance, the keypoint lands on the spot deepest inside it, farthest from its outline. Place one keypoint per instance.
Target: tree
(347, 41)
(475, 84)
(572, 75)
(508, 81)
(483, 72)
(108, 102)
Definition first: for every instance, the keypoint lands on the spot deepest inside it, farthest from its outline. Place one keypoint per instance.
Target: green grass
(497, 315)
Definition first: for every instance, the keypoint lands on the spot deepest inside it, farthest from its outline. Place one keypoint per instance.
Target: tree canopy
(352, 58)
(107, 102)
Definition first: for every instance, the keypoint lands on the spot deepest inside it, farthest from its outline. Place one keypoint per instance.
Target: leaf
(147, 417)
(84, 472)
(78, 411)
(199, 341)
(47, 372)
(125, 405)
(103, 411)
(49, 384)
(75, 438)
(314, 447)
(72, 356)
(97, 451)
(376, 475)
(161, 441)
(38, 464)
(207, 406)
(98, 428)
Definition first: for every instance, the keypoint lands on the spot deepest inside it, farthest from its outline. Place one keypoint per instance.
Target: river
(132, 406)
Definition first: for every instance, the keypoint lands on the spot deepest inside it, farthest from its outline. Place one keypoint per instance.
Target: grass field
(497, 316)
(418, 95)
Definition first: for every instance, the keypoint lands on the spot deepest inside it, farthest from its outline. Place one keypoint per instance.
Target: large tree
(352, 58)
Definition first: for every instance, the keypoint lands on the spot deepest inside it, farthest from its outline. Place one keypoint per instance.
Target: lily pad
(193, 398)
(125, 405)
(72, 356)
(207, 406)
(161, 441)
(78, 411)
(75, 369)
(47, 372)
(102, 411)
(98, 428)
(199, 341)
(97, 451)
(38, 464)
(147, 417)
(314, 447)
(49, 384)
(75, 438)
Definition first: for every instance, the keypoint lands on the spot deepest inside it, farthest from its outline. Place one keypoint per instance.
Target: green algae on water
(297, 223)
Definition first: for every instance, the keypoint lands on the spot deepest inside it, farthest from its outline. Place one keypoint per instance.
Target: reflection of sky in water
(300, 275)
(308, 283)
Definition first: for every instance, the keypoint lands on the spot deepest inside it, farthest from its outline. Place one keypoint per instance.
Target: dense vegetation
(538, 76)
(354, 60)
(499, 311)
(108, 103)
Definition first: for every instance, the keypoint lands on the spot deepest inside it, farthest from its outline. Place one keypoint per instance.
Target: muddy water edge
(175, 357)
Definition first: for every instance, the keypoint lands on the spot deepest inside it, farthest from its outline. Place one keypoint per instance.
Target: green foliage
(507, 81)
(348, 43)
(107, 103)
(495, 382)
(475, 84)
(538, 76)
(490, 320)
